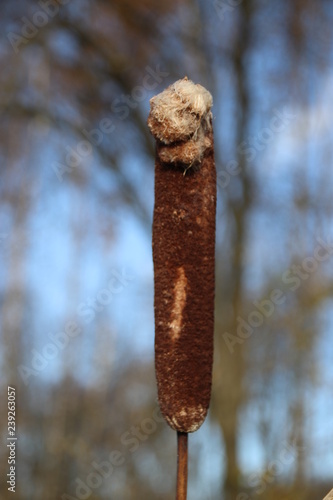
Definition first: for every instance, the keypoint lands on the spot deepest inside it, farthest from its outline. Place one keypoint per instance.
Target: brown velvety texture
(184, 274)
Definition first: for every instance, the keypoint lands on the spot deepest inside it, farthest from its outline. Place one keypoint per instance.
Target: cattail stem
(182, 454)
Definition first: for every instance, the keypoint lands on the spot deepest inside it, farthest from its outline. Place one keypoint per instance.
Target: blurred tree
(74, 89)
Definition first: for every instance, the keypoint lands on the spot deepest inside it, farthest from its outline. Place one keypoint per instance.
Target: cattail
(184, 254)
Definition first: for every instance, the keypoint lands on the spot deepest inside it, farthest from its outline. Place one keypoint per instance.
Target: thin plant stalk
(182, 460)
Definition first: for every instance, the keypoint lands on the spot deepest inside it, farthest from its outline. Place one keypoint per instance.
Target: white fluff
(180, 110)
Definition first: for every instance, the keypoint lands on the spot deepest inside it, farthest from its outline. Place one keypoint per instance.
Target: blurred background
(76, 287)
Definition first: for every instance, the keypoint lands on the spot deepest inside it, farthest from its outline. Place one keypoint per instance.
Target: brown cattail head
(183, 251)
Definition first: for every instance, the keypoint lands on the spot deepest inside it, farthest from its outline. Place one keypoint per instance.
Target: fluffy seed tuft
(180, 119)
